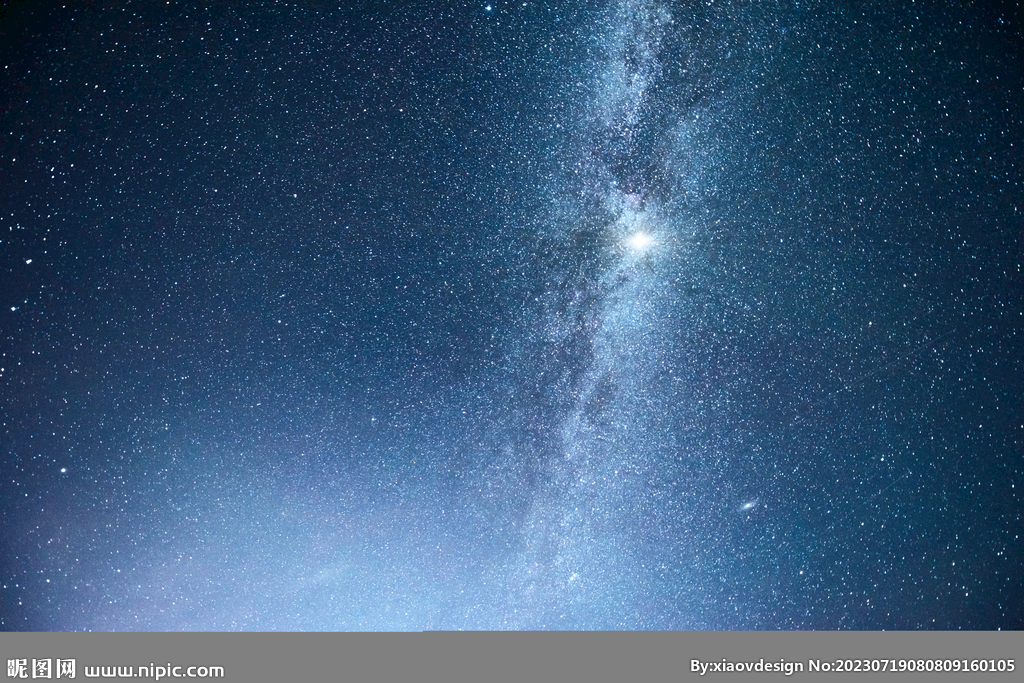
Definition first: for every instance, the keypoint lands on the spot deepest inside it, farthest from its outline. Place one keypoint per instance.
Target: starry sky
(521, 315)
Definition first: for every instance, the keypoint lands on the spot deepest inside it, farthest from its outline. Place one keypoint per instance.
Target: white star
(641, 241)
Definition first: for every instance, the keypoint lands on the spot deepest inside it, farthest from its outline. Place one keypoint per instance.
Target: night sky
(529, 315)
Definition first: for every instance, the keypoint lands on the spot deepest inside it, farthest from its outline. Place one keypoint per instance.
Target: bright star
(640, 241)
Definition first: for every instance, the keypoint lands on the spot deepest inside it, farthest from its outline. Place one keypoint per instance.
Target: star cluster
(626, 315)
